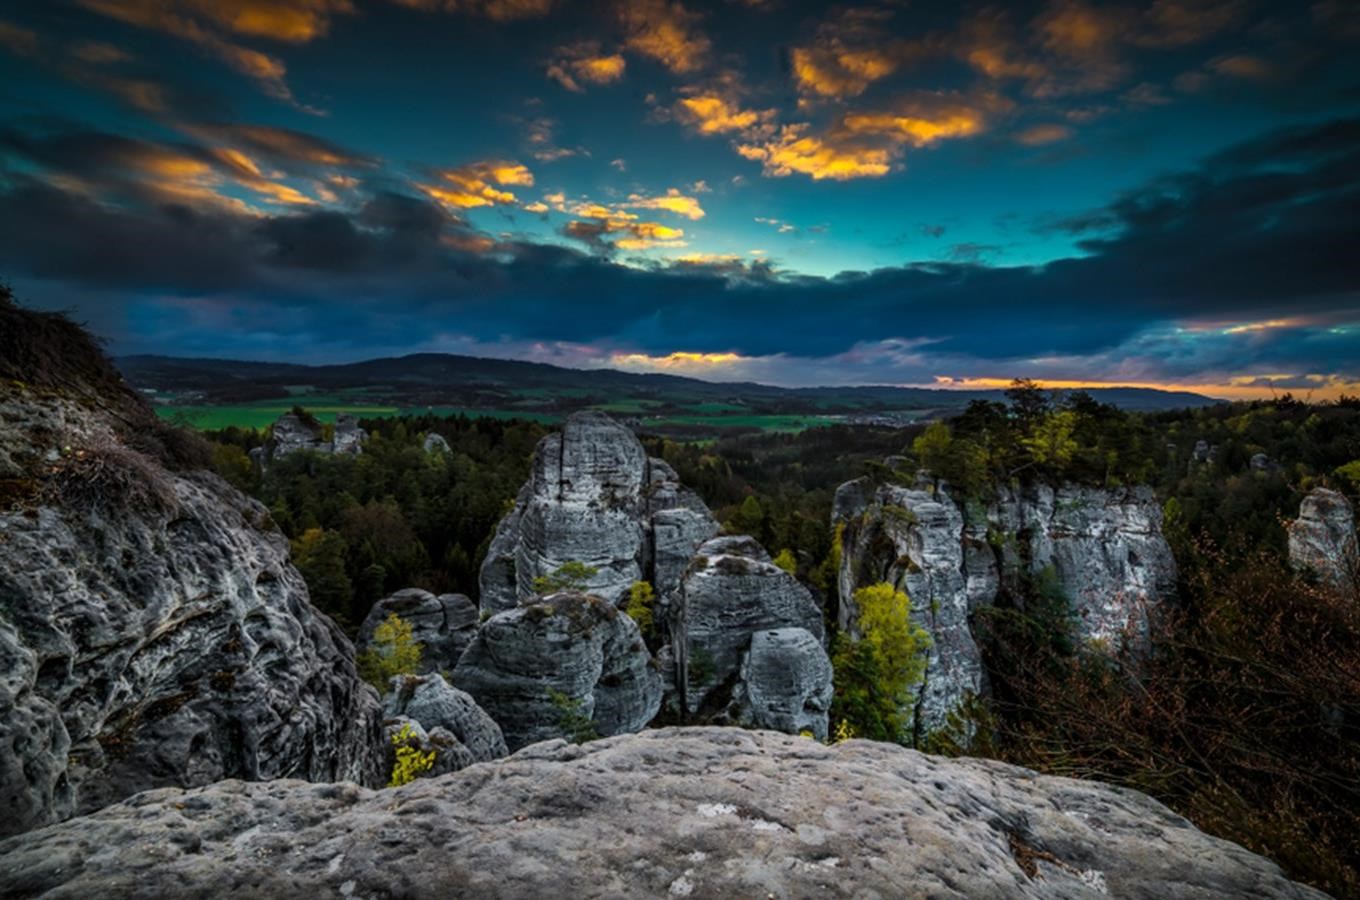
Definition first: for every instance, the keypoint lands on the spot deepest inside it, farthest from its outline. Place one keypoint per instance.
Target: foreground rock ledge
(700, 812)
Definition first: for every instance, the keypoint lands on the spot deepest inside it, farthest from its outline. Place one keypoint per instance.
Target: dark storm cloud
(1262, 230)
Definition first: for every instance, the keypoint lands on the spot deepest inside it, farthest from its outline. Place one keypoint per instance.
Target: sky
(939, 194)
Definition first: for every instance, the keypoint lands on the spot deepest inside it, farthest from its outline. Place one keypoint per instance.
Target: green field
(326, 408)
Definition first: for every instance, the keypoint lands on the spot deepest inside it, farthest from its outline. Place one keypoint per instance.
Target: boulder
(1322, 540)
(566, 656)
(435, 443)
(594, 497)
(707, 812)
(152, 629)
(1103, 548)
(348, 436)
(730, 592)
(292, 433)
(785, 683)
(443, 625)
(436, 705)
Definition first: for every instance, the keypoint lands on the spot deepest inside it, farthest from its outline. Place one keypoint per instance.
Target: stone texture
(571, 644)
(449, 753)
(443, 625)
(153, 631)
(786, 683)
(594, 497)
(674, 812)
(438, 706)
(435, 443)
(730, 592)
(1322, 540)
(1105, 549)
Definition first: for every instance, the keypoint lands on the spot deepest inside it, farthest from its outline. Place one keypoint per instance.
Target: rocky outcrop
(453, 724)
(785, 683)
(594, 497)
(292, 433)
(1102, 548)
(565, 656)
(1322, 540)
(443, 625)
(152, 629)
(732, 592)
(435, 443)
(709, 813)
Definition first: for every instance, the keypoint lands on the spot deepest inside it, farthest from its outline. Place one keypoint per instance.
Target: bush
(570, 576)
(640, 607)
(576, 726)
(410, 762)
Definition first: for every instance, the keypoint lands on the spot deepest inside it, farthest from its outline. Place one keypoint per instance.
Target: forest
(1246, 719)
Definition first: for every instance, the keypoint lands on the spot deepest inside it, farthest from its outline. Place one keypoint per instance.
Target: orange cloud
(916, 129)
(479, 184)
(680, 360)
(665, 31)
(851, 51)
(21, 41)
(711, 113)
(495, 10)
(793, 150)
(673, 201)
(584, 62)
(98, 53)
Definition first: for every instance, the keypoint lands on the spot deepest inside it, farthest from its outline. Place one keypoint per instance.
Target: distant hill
(445, 382)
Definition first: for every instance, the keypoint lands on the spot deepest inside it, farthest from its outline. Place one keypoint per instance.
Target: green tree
(749, 518)
(933, 447)
(320, 556)
(393, 651)
(786, 561)
(1050, 441)
(576, 726)
(1350, 472)
(570, 576)
(876, 675)
(640, 607)
(409, 763)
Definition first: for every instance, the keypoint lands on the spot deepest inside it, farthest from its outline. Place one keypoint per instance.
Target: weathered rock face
(1322, 540)
(435, 443)
(785, 683)
(468, 736)
(594, 497)
(152, 630)
(711, 813)
(443, 625)
(1103, 548)
(579, 647)
(731, 592)
(292, 434)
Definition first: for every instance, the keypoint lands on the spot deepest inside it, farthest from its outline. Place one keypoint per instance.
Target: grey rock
(291, 434)
(731, 591)
(578, 646)
(850, 500)
(443, 625)
(786, 683)
(595, 498)
(1322, 540)
(1260, 462)
(435, 443)
(436, 704)
(709, 813)
(153, 632)
(1105, 549)
(449, 754)
(1201, 453)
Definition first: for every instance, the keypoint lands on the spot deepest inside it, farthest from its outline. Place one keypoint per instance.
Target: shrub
(787, 561)
(576, 726)
(640, 607)
(410, 762)
(570, 576)
(394, 651)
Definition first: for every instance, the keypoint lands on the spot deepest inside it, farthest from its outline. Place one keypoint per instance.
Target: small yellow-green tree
(410, 762)
(875, 675)
(641, 608)
(787, 561)
(393, 651)
(933, 447)
(570, 576)
(1051, 442)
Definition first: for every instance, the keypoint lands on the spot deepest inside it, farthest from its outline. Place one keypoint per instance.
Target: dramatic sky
(1160, 193)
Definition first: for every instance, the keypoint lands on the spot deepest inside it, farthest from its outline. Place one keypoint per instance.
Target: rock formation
(292, 433)
(1322, 540)
(565, 655)
(443, 625)
(709, 813)
(1103, 548)
(594, 497)
(152, 629)
(450, 721)
(732, 592)
(435, 443)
